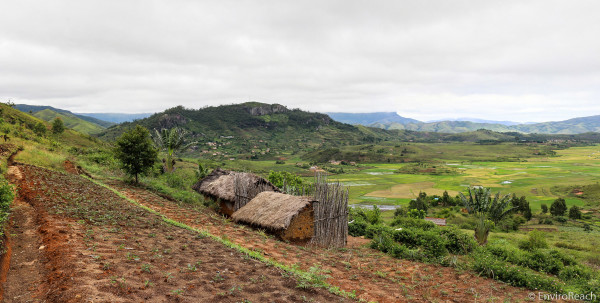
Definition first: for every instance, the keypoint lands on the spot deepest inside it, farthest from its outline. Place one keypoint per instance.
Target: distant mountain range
(116, 117)
(391, 120)
(96, 123)
(371, 118)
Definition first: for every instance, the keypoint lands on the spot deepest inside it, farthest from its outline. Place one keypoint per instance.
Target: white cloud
(508, 60)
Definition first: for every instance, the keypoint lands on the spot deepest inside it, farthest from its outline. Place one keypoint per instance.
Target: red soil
(373, 275)
(97, 247)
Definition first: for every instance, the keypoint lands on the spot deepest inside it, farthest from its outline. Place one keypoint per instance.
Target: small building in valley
(289, 217)
(436, 221)
(232, 189)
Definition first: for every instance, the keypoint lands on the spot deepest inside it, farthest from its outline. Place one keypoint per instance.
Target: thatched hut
(290, 217)
(232, 189)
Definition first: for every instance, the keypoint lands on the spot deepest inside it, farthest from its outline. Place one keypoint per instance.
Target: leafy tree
(544, 209)
(515, 202)
(487, 210)
(282, 178)
(446, 199)
(574, 212)
(420, 203)
(524, 205)
(39, 129)
(416, 213)
(524, 208)
(400, 212)
(527, 213)
(170, 141)
(558, 207)
(135, 151)
(58, 127)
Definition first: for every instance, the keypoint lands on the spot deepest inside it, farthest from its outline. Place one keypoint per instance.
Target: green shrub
(6, 197)
(357, 228)
(174, 181)
(413, 223)
(416, 213)
(536, 240)
(561, 219)
(575, 272)
(371, 216)
(488, 265)
(457, 242)
(400, 212)
(575, 213)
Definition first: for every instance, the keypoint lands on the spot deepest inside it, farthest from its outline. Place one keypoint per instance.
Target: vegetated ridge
(37, 108)
(391, 121)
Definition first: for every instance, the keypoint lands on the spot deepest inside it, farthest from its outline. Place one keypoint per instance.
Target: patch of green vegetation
(71, 121)
(428, 169)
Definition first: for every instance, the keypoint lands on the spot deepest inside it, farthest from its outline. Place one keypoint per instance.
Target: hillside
(571, 126)
(36, 108)
(71, 121)
(115, 117)
(247, 126)
(371, 118)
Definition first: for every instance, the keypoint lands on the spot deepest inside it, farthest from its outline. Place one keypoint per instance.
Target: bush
(511, 223)
(174, 181)
(488, 265)
(536, 240)
(357, 228)
(575, 272)
(575, 213)
(407, 222)
(6, 197)
(400, 212)
(371, 216)
(561, 219)
(457, 242)
(416, 213)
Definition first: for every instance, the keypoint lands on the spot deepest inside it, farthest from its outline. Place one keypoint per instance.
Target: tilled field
(372, 275)
(98, 247)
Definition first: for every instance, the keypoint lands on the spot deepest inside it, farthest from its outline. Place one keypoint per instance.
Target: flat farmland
(532, 177)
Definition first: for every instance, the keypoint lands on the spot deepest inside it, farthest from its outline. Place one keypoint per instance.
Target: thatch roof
(220, 184)
(271, 210)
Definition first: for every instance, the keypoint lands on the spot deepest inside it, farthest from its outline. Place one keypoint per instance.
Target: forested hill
(256, 121)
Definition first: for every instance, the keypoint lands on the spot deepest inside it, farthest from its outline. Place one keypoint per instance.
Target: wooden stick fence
(330, 213)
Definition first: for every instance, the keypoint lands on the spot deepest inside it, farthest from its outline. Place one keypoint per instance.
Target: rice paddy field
(533, 177)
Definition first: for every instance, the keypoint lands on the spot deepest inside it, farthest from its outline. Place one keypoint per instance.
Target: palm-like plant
(170, 141)
(486, 209)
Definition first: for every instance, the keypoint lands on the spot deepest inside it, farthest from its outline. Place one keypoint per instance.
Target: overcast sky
(501, 60)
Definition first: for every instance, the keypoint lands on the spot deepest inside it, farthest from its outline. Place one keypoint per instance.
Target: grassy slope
(71, 121)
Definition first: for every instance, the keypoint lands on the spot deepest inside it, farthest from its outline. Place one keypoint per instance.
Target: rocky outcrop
(267, 109)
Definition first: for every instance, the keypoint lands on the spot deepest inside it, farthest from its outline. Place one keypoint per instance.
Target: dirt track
(25, 271)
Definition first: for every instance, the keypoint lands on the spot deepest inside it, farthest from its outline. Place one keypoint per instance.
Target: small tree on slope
(135, 151)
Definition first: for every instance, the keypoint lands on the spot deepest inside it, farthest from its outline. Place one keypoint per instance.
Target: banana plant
(170, 141)
(488, 210)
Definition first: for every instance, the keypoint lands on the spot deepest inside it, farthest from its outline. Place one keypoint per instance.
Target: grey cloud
(519, 60)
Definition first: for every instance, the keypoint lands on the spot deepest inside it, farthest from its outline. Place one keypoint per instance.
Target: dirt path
(373, 275)
(25, 271)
